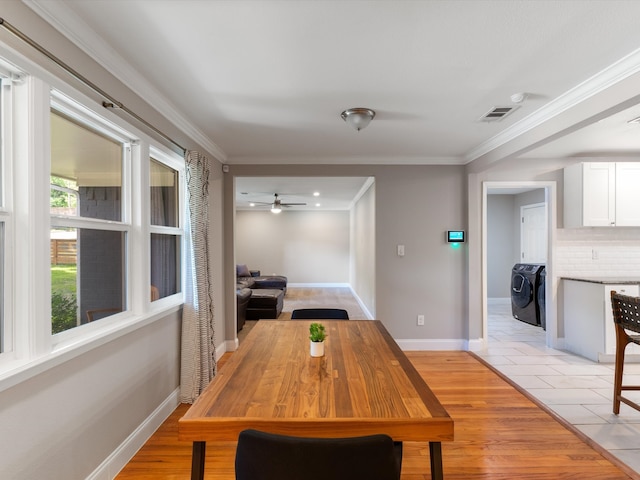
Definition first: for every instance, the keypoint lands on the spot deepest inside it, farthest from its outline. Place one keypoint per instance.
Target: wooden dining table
(363, 385)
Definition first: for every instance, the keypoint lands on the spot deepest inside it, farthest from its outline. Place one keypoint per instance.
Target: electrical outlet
(401, 250)
(420, 319)
(594, 254)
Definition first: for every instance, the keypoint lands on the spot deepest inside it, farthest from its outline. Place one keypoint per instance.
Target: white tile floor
(577, 389)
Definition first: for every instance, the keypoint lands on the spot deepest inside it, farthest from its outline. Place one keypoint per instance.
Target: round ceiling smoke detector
(518, 97)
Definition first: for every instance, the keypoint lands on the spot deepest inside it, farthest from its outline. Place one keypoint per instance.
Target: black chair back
(319, 313)
(626, 311)
(267, 456)
(626, 316)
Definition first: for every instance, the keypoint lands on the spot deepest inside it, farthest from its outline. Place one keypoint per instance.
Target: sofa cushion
(273, 281)
(245, 282)
(242, 271)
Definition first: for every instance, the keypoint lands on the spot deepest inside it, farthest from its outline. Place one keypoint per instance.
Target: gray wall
(503, 238)
(65, 421)
(306, 246)
(414, 206)
(501, 247)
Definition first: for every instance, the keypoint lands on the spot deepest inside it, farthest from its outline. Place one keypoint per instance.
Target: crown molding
(345, 160)
(61, 17)
(601, 81)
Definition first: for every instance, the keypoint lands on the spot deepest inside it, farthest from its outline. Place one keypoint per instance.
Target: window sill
(16, 371)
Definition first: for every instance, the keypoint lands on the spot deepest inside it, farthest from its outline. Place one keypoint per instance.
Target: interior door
(533, 233)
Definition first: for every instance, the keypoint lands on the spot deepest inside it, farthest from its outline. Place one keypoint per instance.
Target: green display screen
(455, 236)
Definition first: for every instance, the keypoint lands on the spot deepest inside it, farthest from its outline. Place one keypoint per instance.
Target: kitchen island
(588, 320)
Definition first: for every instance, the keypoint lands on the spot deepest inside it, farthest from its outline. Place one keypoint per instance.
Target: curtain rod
(109, 101)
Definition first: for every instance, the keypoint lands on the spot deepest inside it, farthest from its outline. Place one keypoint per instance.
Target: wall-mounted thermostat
(455, 236)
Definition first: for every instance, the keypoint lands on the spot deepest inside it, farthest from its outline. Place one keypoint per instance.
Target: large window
(108, 243)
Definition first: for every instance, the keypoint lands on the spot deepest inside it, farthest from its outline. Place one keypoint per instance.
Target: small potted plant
(317, 334)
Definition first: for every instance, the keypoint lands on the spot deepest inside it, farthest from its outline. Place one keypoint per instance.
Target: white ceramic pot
(316, 348)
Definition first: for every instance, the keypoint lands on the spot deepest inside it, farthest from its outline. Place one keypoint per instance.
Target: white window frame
(7, 352)
(170, 160)
(86, 118)
(25, 214)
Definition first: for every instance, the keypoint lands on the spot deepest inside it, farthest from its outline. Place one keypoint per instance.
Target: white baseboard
(476, 345)
(115, 462)
(364, 308)
(227, 346)
(611, 358)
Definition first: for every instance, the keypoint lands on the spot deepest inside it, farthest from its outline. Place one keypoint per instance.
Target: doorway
(506, 242)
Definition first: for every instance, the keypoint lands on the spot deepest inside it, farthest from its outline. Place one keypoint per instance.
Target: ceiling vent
(497, 113)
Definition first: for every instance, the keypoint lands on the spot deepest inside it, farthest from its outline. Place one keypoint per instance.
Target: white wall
(617, 250)
(363, 245)
(307, 247)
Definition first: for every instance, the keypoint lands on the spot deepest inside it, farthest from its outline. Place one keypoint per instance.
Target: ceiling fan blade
(289, 204)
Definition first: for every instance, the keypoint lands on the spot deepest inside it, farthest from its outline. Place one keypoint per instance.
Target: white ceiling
(264, 81)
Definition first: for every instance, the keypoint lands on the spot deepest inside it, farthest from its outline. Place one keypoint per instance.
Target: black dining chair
(626, 316)
(268, 456)
(319, 313)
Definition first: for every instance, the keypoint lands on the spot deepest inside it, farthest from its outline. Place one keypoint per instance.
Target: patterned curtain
(198, 364)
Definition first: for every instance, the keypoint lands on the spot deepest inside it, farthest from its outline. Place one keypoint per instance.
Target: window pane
(86, 171)
(87, 276)
(164, 195)
(165, 265)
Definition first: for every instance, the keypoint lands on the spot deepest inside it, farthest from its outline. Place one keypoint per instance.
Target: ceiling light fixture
(276, 206)
(358, 118)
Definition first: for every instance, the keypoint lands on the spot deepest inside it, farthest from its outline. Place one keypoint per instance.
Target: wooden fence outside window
(63, 251)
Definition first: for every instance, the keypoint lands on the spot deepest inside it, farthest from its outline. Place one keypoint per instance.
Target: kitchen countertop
(606, 280)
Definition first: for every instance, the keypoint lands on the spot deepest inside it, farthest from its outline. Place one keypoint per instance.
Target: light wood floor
(499, 434)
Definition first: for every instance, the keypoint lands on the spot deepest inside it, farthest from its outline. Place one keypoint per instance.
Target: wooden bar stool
(626, 315)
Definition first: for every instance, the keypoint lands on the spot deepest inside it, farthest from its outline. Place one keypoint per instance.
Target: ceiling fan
(277, 204)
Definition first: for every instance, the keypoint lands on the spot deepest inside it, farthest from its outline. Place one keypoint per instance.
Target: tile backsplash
(601, 252)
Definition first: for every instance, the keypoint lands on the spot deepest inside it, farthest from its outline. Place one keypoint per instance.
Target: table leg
(435, 454)
(197, 460)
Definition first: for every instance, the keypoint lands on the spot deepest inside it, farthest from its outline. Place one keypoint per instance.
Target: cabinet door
(599, 194)
(627, 194)
(609, 328)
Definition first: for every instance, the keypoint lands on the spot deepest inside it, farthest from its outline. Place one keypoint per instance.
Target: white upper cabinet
(602, 194)
(627, 194)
